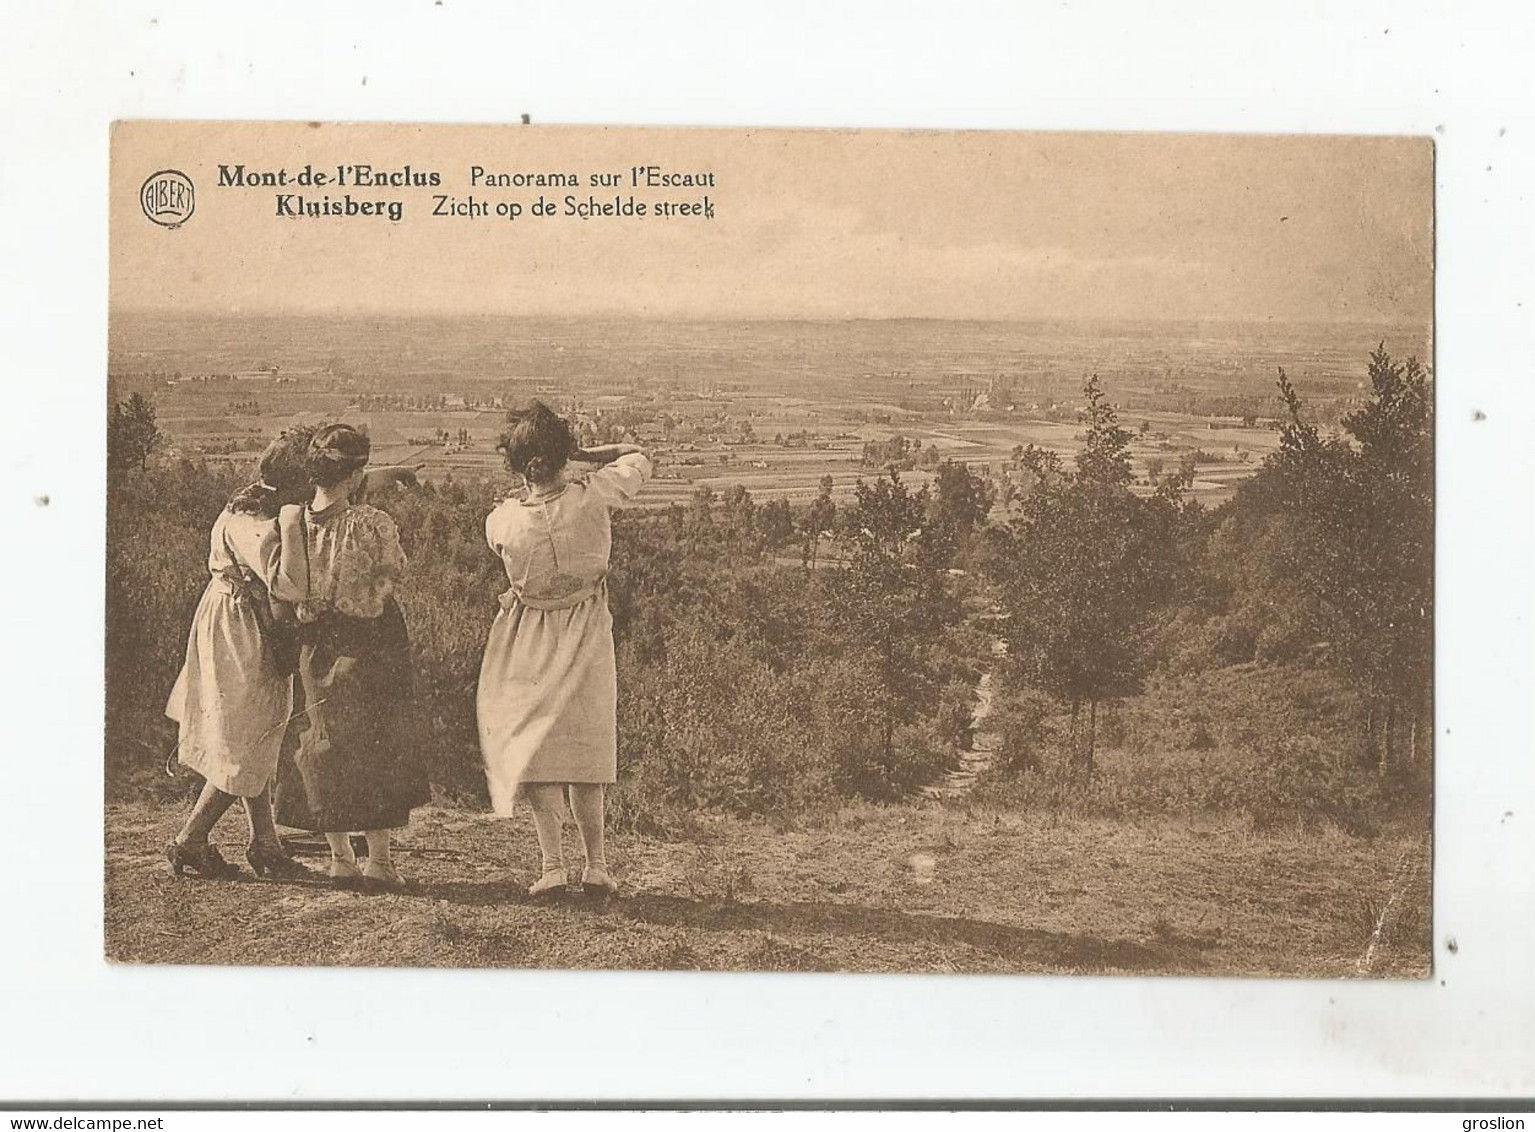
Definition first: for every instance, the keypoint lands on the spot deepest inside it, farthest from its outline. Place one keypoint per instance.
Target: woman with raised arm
(352, 762)
(548, 684)
(233, 697)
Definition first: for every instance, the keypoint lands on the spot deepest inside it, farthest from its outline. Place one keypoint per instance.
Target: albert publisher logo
(168, 198)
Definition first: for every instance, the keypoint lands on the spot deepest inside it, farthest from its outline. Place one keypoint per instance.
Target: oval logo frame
(168, 198)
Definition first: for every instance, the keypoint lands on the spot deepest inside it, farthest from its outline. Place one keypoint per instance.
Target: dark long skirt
(352, 758)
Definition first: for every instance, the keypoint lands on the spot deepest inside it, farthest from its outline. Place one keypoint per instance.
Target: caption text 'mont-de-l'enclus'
(362, 176)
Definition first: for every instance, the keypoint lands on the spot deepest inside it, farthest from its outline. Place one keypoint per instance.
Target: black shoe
(268, 860)
(203, 859)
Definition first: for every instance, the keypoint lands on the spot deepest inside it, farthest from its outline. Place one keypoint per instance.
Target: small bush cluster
(707, 726)
(1279, 745)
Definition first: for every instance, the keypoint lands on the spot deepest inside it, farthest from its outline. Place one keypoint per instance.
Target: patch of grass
(717, 876)
(1396, 917)
(675, 955)
(445, 928)
(633, 810)
(773, 954)
(1165, 930)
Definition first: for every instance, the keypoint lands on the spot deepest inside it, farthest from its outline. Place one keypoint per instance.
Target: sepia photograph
(767, 550)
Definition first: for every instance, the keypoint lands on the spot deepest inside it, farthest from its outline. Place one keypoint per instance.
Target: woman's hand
(607, 453)
(384, 476)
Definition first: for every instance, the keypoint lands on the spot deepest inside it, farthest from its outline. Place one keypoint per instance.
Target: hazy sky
(807, 224)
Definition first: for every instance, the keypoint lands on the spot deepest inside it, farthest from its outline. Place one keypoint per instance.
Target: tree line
(1324, 557)
(757, 686)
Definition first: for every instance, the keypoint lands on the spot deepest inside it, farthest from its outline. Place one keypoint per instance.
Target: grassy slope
(926, 887)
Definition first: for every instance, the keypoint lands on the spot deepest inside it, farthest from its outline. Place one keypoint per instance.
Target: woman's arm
(378, 478)
(290, 578)
(625, 468)
(607, 453)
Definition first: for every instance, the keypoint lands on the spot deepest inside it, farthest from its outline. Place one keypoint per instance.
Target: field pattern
(772, 406)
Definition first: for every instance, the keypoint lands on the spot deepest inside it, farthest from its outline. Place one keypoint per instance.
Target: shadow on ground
(809, 919)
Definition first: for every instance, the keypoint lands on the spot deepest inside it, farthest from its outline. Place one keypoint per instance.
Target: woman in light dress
(548, 684)
(233, 697)
(352, 761)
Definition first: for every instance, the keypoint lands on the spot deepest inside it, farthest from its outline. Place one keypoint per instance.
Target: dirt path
(984, 744)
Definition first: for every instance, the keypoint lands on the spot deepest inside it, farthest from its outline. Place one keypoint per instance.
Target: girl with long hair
(233, 697)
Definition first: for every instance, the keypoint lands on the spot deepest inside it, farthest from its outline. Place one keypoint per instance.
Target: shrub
(709, 729)
(1299, 778)
(156, 569)
(1020, 719)
(1275, 744)
(916, 756)
(954, 723)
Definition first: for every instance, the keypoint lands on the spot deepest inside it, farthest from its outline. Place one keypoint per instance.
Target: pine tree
(1083, 568)
(1358, 549)
(960, 502)
(132, 433)
(892, 595)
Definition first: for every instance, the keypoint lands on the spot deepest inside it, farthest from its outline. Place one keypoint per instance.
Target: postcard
(770, 550)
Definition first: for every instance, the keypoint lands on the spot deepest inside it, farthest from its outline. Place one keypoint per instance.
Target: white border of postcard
(80, 1028)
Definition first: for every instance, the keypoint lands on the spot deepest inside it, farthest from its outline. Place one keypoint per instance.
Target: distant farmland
(222, 386)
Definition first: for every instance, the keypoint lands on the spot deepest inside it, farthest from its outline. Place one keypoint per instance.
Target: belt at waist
(549, 604)
(247, 589)
(236, 583)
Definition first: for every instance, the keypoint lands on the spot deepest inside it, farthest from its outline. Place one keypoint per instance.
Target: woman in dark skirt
(351, 761)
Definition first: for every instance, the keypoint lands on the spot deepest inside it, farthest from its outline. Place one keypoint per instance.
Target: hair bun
(538, 442)
(335, 452)
(340, 443)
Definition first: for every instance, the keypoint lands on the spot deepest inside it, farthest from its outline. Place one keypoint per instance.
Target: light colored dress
(232, 699)
(548, 687)
(354, 758)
